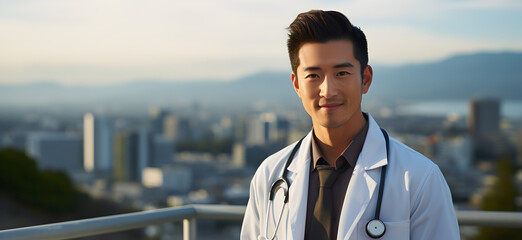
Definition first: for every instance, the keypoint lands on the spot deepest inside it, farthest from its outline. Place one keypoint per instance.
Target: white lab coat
(416, 202)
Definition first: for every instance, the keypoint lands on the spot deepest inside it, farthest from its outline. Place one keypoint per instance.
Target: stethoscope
(375, 228)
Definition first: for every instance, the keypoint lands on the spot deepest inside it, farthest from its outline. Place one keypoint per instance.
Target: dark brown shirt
(345, 163)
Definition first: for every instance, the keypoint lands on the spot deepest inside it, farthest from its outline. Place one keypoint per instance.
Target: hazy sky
(105, 42)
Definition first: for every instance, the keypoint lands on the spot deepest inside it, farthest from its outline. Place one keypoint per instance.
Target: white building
(455, 152)
(97, 144)
(173, 180)
(262, 130)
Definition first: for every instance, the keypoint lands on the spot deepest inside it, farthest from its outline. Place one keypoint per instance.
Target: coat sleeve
(250, 227)
(433, 215)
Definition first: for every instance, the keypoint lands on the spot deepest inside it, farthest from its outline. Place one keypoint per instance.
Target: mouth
(330, 106)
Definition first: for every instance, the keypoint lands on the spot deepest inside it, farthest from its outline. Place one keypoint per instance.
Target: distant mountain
(457, 78)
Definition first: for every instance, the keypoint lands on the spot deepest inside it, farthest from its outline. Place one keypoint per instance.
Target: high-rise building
(162, 151)
(97, 143)
(484, 117)
(170, 126)
(179, 128)
(56, 151)
(135, 151)
(238, 155)
(126, 157)
(454, 152)
(157, 118)
(144, 151)
(223, 129)
(484, 126)
(262, 130)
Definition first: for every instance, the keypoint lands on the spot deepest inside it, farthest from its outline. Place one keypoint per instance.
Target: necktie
(321, 223)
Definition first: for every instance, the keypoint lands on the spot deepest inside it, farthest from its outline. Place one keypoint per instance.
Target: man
(334, 173)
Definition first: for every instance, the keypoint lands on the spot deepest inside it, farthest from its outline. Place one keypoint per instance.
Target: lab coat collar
(362, 187)
(303, 155)
(360, 190)
(298, 179)
(373, 153)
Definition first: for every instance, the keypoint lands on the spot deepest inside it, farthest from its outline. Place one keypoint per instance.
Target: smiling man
(346, 179)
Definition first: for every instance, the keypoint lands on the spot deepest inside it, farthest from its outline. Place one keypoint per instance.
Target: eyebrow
(312, 69)
(346, 64)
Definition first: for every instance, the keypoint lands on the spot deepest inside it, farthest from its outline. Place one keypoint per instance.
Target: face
(330, 84)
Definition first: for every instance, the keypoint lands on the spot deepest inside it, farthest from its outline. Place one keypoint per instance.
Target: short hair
(318, 26)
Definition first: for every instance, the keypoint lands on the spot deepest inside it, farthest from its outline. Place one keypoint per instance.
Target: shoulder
(405, 157)
(432, 215)
(417, 169)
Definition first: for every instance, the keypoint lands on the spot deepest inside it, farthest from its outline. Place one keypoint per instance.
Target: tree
(47, 190)
(501, 197)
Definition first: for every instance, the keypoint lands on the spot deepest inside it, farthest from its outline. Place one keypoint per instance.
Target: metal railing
(116, 223)
(188, 214)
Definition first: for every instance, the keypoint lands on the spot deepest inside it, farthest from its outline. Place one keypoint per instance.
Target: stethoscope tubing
(285, 185)
(383, 175)
(278, 220)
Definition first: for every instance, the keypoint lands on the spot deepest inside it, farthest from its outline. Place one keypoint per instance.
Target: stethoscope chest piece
(375, 228)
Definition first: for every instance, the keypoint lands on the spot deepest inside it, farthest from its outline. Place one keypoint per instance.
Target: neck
(334, 141)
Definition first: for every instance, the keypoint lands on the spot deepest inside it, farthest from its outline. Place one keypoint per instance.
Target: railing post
(189, 229)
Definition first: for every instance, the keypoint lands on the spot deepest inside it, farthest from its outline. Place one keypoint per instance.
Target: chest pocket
(394, 230)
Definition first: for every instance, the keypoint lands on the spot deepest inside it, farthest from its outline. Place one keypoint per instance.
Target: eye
(343, 73)
(312, 75)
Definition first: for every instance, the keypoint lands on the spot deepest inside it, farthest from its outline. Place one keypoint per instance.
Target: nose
(328, 87)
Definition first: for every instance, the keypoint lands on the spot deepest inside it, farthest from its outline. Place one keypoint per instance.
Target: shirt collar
(350, 154)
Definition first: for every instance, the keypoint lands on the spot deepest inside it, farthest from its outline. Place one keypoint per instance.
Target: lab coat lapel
(298, 175)
(362, 186)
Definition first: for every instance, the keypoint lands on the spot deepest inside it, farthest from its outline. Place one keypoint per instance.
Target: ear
(295, 83)
(367, 79)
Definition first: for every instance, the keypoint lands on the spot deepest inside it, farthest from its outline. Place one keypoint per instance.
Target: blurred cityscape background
(139, 120)
(202, 145)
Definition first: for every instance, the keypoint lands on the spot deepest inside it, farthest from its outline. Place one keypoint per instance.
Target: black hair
(318, 26)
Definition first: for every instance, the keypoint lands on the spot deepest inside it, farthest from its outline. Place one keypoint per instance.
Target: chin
(330, 124)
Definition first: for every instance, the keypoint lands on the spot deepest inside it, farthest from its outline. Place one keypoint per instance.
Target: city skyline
(101, 43)
(167, 159)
